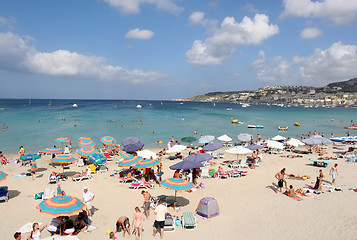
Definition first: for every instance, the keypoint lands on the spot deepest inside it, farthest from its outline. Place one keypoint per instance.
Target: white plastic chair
(66, 150)
(243, 163)
(205, 172)
(80, 162)
(48, 193)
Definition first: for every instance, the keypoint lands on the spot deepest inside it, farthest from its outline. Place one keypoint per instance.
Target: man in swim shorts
(334, 173)
(160, 212)
(123, 223)
(280, 176)
(146, 204)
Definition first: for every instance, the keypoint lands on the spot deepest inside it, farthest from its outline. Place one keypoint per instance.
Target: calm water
(94, 118)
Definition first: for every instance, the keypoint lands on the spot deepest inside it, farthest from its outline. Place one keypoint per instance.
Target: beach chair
(233, 164)
(169, 223)
(189, 221)
(80, 162)
(243, 163)
(320, 163)
(4, 193)
(48, 193)
(128, 179)
(223, 175)
(109, 158)
(205, 173)
(102, 168)
(66, 150)
(138, 185)
(80, 178)
(215, 155)
(221, 155)
(53, 179)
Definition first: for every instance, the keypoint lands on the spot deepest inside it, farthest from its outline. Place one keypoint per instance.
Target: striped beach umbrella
(61, 206)
(62, 139)
(127, 162)
(147, 163)
(33, 166)
(97, 159)
(177, 184)
(125, 155)
(86, 143)
(29, 157)
(86, 151)
(108, 140)
(53, 150)
(63, 159)
(84, 138)
(3, 176)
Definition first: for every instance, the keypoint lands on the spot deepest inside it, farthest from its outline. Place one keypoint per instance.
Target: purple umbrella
(133, 147)
(198, 157)
(254, 147)
(130, 140)
(185, 165)
(212, 146)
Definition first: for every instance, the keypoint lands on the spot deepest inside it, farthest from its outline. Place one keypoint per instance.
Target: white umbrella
(224, 138)
(295, 142)
(244, 137)
(278, 138)
(176, 148)
(274, 144)
(239, 150)
(206, 139)
(147, 154)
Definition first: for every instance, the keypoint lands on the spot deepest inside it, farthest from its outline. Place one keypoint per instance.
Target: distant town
(339, 94)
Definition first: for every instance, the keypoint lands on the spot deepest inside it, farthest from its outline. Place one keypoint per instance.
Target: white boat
(229, 109)
(162, 103)
(214, 104)
(75, 105)
(181, 103)
(252, 126)
(138, 106)
(244, 105)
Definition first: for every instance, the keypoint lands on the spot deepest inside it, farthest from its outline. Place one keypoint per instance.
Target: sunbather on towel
(290, 192)
(84, 173)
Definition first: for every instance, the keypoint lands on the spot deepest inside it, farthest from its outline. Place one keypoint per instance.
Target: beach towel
(295, 197)
(20, 175)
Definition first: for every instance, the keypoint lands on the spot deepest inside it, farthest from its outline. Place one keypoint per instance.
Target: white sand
(249, 206)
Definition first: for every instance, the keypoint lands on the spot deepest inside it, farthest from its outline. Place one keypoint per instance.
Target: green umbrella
(188, 139)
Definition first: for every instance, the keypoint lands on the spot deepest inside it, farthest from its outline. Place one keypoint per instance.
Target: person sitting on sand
(123, 223)
(68, 226)
(80, 225)
(290, 192)
(84, 173)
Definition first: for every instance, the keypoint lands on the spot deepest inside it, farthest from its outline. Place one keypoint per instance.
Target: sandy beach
(249, 206)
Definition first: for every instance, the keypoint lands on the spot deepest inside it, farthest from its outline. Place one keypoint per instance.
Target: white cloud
(339, 11)
(6, 21)
(275, 70)
(214, 50)
(310, 33)
(139, 34)
(336, 63)
(198, 18)
(17, 54)
(133, 6)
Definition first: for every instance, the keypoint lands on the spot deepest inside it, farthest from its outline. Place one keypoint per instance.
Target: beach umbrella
(198, 157)
(84, 138)
(244, 137)
(278, 138)
(127, 162)
(147, 163)
(97, 159)
(86, 143)
(125, 155)
(3, 176)
(224, 138)
(33, 165)
(206, 139)
(63, 159)
(108, 140)
(62, 139)
(133, 147)
(61, 206)
(177, 184)
(212, 146)
(29, 157)
(53, 150)
(185, 165)
(295, 142)
(239, 150)
(316, 139)
(130, 140)
(86, 151)
(176, 148)
(274, 144)
(254, 147)
(147, 154)
(188, 139)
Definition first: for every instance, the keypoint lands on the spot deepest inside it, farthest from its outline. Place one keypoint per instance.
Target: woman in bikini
(138, 223)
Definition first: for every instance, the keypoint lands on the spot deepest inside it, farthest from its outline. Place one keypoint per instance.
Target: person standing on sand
(160, 212)
(87, 199)
(138, 223)
(334, 173)
(146, 204)
(280, 176)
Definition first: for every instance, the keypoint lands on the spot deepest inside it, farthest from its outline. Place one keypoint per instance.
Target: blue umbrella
(97, 159)
(198, 157)
(133, 147)
(212, 146)
(130, 140)
(185, 165)
(244, 137)
(30, 156)
(316, 139)
(254, 147)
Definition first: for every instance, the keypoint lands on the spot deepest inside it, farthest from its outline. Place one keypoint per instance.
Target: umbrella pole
(175, 201)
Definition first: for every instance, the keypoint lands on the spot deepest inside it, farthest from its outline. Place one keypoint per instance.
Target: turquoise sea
(121, 119)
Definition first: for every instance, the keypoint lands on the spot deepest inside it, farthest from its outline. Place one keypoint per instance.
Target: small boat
(283, 128)
(352, 127)
(181, 103)
(297, 124)
(260, 126)
(162, 103)
(229, 109)
(252, 126)
(138, 106)
(244, 105)
(214, 104)
(75, 105)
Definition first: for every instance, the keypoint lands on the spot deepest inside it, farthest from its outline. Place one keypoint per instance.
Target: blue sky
(165, 49)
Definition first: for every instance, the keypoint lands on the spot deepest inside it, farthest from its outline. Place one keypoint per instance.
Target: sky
(168, 49)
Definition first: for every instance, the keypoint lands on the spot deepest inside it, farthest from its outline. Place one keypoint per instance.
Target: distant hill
(345, 86)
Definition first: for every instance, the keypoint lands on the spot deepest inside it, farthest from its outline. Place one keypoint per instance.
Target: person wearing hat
(87, 199)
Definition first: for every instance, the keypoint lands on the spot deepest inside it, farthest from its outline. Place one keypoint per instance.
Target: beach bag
(38, 195)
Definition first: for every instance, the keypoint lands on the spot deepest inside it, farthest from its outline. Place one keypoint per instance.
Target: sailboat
(29, 102)
(162, 103)
(49, 104)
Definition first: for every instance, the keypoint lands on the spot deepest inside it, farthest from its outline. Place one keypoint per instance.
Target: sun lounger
(169, 223)
(53, 179)
(48, 193)
(80, 178)
(128, 179)
(215, 155)
(80, 162)
(223, 175)
(102, 168)
(109, 158)
(221, 155)
(189, 221)
(4, 193)
(138, 185)
(320, 163)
